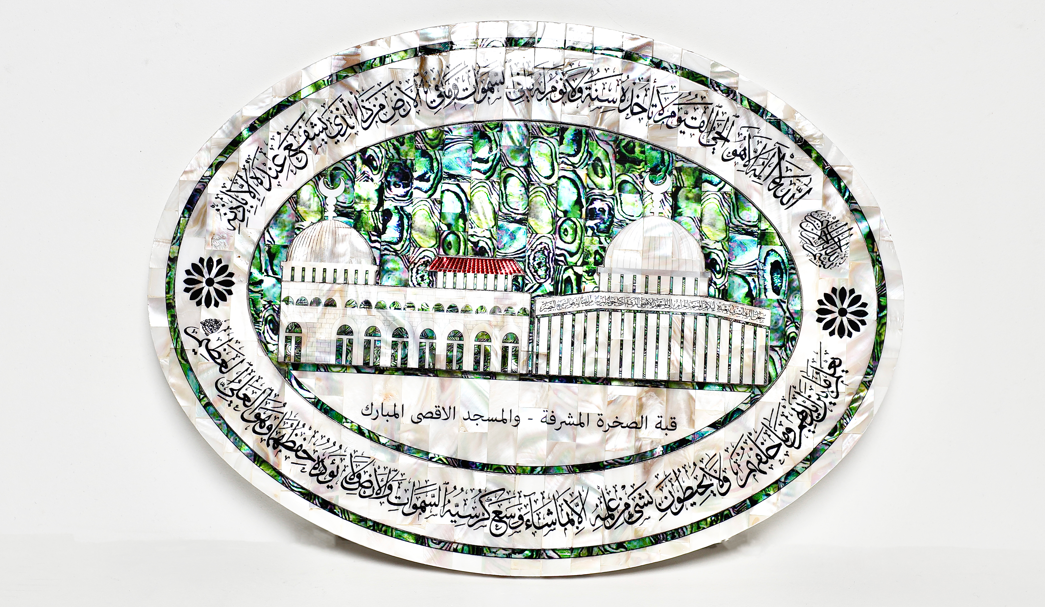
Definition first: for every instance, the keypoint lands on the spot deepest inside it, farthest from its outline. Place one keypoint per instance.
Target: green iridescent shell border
(487, 551)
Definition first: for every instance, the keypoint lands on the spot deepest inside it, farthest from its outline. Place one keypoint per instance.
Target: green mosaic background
(550, 196)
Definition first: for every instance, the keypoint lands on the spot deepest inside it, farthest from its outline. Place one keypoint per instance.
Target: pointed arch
(426, 349)
(481, 352)
(292, 339)
(455, 351)
(510, 353)
(343, 346)
(400, 347)
(372, 347)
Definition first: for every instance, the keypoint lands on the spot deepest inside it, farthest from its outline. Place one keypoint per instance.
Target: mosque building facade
(334, 312)
(649, 318)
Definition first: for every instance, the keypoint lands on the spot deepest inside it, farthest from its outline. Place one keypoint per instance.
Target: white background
(109, 496)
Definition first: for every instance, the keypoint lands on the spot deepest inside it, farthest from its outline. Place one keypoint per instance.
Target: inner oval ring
(754, 394)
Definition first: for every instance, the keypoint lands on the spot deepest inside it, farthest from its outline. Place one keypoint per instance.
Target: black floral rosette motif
(842, 312)
(209, 282)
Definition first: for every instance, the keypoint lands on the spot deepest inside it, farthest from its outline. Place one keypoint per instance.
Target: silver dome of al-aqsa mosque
(330, 241)
(655, 244)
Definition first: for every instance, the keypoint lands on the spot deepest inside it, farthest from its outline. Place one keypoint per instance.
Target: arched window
(438, 308)
(452, 308)
(426, 350)
(480, 310)
(510, 311)
(330, 303)
(424, 308)
(292, 343)
(481, 352)
(302, 301)
(395, 306)
(467, 309)
(365, 305)
(400, 347)
(372, 347)
(410, 306)
(288, 301)
(316, 302)
(523, 312)
(380, 306)
(343, 353)
(350, 303)
(496, 310)
(455, 351)
(510, 353)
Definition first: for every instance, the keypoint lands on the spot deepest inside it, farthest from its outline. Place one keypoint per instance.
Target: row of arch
(316, 302)
(427, 345)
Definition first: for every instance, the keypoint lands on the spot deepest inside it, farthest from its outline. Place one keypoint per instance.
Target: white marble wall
(645, 345)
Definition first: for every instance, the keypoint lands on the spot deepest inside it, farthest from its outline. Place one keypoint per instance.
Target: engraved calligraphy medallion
(525, 299)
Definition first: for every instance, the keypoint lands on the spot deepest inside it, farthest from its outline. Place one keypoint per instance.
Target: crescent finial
(331, 194)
